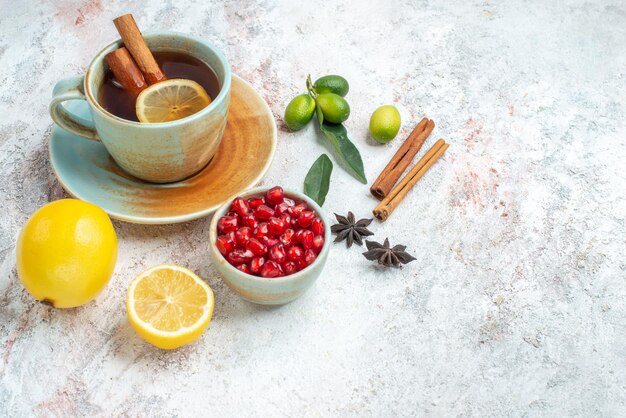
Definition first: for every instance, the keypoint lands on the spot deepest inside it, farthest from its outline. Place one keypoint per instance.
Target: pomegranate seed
(295, 253)
(305, 218)
(306, 239)
(309, 257)
(275, 195)
(287, 237)
(277, 253)
(318, 243)
(224, 245)
(240, 206)
(231, 236)
(270, 242)
(244, 268)
(290, 267)
(227, 224)
(256, 247)
(301, 264)
(256, 264)
(276, 226)
(297, 238)
(286, 219)
(255, 202)
(296, 210)
(239, 256)
(249, 220)
(264, 212)
(317, 226)
(243, 235)
(261, 230)
(271, 269)
(289, 202)
(281, 208)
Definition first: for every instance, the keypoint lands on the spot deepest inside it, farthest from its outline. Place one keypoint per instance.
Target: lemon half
(169, 306)
(171, 100)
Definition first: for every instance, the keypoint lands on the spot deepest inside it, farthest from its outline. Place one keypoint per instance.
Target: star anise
(350, 230)
(386, 255)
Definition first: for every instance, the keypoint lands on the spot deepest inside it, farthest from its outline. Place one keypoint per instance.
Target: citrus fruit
(66, 253)
(299, 112)
(334, 107)
(332, 84)
(385, 123)
(170, 100)
(169, 306)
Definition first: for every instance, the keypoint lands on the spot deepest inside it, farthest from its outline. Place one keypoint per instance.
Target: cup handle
(71, 89)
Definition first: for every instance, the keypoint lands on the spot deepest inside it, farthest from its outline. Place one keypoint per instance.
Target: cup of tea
(160, 152)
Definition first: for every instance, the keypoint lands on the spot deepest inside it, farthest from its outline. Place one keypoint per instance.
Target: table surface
(516, 303)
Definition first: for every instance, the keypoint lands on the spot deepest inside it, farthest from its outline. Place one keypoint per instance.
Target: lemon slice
(170, 100)
(169, 306)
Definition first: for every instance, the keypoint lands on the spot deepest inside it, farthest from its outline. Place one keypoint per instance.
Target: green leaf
(317, 180)
(345, 148)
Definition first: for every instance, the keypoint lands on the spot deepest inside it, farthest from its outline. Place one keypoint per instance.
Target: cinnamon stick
(389, 203)
(401, 159)
(125, 70)
(136, 45)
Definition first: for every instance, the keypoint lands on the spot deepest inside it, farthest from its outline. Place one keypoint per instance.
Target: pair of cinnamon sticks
(383, 188)
(133, 65)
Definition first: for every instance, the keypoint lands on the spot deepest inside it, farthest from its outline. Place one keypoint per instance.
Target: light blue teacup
(155, 152)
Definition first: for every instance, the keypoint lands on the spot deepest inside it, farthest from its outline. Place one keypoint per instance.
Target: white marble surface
(516, 303)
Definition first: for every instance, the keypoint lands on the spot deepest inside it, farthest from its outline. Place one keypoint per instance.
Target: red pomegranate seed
(249, 220)
(276, 226)
(295, 253)
(286, 218)
(275, 195)
(297, 238)
(243, 235)
(289, 202)
(256, 247)
(270, 242)
(244, 268)
(281, 208)
(277, 253)
(227, 224)
(301, 264)
(261, 230)
(264, 212)
(271, 269)
(239, 256)
(256, 264)
(290, 267)
(240, 206)
(318, 243)
(255, 202)
(317, 226)
(296, 210)
(305, 218)
(306, 239)
(224, 245)
(309, 257)
(287, 237)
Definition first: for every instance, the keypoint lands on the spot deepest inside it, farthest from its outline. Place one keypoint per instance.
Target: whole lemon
(385, 123)
(66, 253)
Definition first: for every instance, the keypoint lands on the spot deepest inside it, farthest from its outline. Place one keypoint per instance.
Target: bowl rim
(259, 190)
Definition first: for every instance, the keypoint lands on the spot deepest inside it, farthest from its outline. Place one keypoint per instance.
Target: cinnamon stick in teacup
(125, 70)
(136, 45)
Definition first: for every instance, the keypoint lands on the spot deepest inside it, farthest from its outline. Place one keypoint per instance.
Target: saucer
(87, 172)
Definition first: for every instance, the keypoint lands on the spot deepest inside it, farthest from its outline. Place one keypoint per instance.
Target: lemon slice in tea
(171, 100)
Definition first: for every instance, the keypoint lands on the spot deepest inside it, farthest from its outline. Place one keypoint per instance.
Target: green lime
(299, 112)
(334, 107)
(332, 84)
(385, 123)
